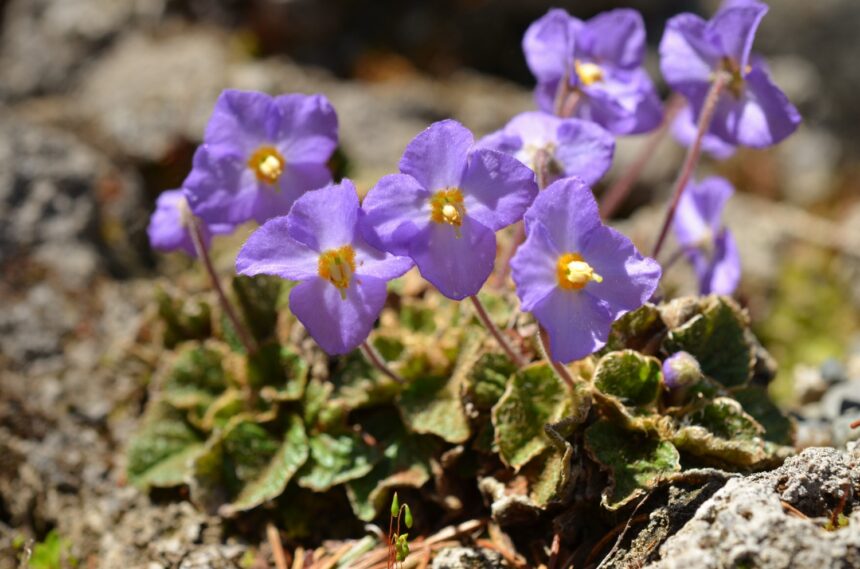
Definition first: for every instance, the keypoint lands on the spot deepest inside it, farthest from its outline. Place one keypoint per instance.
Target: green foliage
(636, 462)
(716, 336)
(631, 377)
(534, 397)
(52, 553)
(329, 442)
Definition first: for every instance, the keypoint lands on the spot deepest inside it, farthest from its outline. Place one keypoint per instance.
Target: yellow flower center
(588, 73)
(446, 206)
(267, 163)
(573, 273)
(737, 79)
(337, 266)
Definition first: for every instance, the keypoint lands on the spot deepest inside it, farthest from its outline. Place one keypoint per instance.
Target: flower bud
(681, 370)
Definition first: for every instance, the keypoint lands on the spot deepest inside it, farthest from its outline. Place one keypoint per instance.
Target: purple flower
(576, 275)
(709, 246)
(751, 110)
(444, 208)
(601, 59)
(565, 147)
(167, 227)
(343, 279)
(261, 153)
(685, 129)
(681, 370)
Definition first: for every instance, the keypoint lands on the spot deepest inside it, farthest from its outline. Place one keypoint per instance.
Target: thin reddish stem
(614, 197)
(193, 226)
(376, 360)
(559, 367)
(512, 353)
(693, 153)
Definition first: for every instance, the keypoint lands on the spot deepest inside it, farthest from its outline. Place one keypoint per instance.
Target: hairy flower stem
(376, 361)
(693, 153)
(196, 232)
(559, 367)
(512, 353)
(614, 197)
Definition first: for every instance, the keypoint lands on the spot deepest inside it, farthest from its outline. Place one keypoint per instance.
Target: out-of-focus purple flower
(681, 370)
(168, 230)
(602, 60)
(445, 206)
(685, 129)
(751, 110)
(563, 147)
(576, 275)
(343, 279)
(708, 245)
(259, 154)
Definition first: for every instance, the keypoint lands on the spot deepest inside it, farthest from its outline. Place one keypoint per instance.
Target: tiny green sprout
(395, 506)
(407, 516)
(402, 547)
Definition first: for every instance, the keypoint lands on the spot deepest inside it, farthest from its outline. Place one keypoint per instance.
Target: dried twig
(277, 548)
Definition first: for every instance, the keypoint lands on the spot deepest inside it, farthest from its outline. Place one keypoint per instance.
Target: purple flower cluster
(265, 159)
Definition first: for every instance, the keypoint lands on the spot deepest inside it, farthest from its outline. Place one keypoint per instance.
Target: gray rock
(468, 558)
(45, 42)
(746, 525)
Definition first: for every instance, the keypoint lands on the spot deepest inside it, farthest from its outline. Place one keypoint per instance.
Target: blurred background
(102, 103)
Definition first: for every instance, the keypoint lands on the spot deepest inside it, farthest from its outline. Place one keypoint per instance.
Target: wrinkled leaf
(245, 465)
(487, 379)
(405, 462)
(336, 459)
(550, 476)
(258, 297)
(534, 397)
(277, 372)
(722, 431)
(184, 319)
(160, 453)
(196, 377)
(636, 462)
(631, 377)
(635, 329)
(778, 428)
(431, 404)
(716, 338)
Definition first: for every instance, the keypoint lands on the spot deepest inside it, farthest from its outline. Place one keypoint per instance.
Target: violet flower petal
(497, 188)
(396, 210)
(616, 36)
(629, 278)
(736, 27)
(534, 267)
(270, 250)
(338, 325)
(456, 265)
(578, 324)
(305, 130)
(568, 213)
(326, 218)
(437, 157)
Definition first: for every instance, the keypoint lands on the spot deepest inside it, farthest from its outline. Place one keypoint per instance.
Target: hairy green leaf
(716, 338)
(160, 453)
(631, 377)
(534, 397)
(636, 461)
